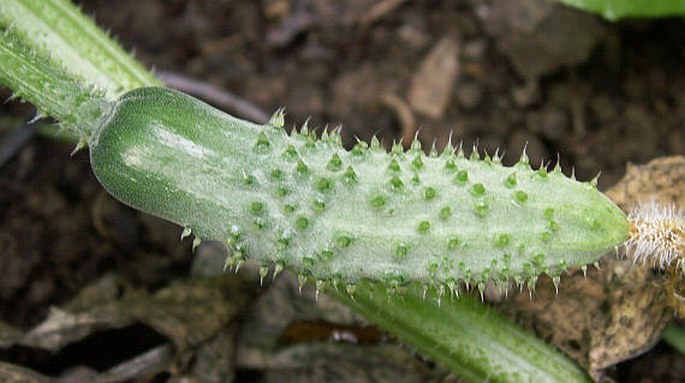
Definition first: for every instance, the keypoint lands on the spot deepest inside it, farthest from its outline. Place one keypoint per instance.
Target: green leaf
(618, 9)
(464, 335)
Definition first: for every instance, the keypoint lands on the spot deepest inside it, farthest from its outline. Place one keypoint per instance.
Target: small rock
(430, 87)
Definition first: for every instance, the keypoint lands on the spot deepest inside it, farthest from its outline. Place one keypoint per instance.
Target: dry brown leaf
(10, 373)
(194, 313)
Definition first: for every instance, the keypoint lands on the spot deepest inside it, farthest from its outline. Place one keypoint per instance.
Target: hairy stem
(58, 30)
(464, 335)
(53, 91)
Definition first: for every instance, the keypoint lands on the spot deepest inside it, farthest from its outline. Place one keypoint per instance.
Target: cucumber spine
(306, 203)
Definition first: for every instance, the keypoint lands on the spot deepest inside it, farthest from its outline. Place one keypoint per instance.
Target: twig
(147, 363)
(221, 98)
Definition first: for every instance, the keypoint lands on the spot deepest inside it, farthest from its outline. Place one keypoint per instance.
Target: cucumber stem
(58, 30)
(53, 91)
(463, 335)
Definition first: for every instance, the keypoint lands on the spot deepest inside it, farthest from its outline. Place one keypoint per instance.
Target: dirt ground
(499, 73)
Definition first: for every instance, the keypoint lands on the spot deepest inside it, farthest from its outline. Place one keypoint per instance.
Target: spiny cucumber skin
(331, 214)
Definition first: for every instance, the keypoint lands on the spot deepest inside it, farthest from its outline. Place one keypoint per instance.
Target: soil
(500, 74)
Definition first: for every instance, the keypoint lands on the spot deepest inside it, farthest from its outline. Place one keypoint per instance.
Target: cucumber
(341, 216)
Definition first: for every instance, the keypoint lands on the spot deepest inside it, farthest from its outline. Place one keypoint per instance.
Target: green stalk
(58, 30)
(53, 91)
(464, 335)
(614, 10)
(674, 335)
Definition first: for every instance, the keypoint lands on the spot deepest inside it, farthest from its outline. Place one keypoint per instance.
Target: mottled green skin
(438, 219)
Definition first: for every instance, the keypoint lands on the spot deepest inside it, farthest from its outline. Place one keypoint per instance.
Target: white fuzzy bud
(657, 235)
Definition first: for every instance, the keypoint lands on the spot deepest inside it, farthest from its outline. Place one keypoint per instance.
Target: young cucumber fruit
(330, 214)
